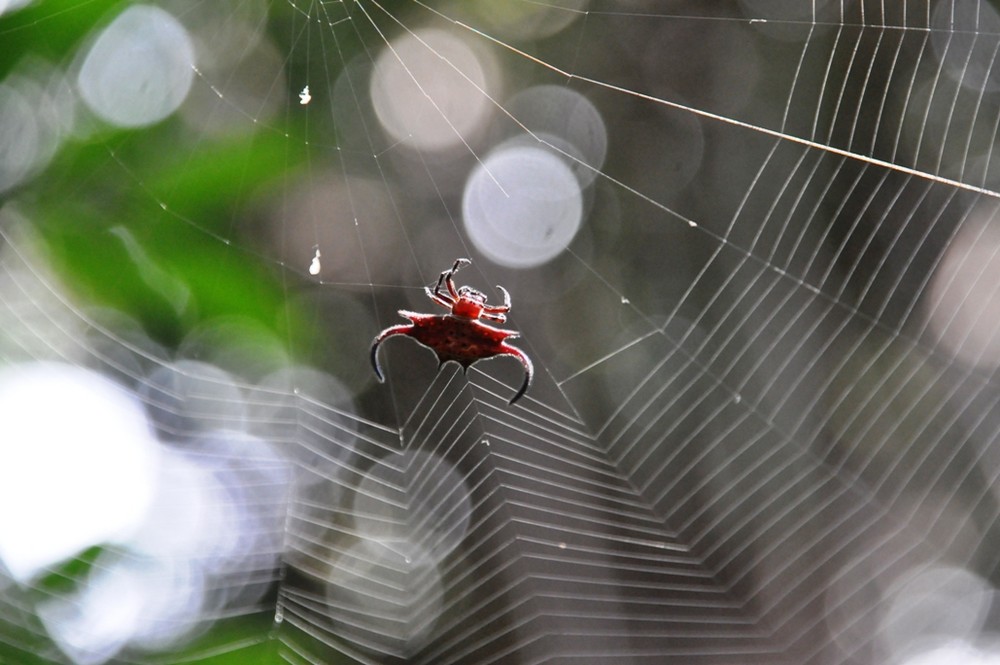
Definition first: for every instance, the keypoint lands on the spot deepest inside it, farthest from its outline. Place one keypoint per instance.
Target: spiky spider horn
(529, 371)
(381, 337)
(504, 295)
(375, 365)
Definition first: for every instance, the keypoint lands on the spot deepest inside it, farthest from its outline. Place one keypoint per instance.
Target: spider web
(763, 426)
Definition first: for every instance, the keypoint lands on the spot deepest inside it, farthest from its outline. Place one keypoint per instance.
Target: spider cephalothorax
(461, 335)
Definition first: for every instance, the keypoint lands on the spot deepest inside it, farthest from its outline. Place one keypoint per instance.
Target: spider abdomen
(456, 338)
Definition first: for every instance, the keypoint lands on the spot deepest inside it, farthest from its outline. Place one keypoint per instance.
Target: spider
(460, 335)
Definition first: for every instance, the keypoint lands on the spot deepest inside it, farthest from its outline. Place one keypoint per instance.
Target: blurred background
(752, 249)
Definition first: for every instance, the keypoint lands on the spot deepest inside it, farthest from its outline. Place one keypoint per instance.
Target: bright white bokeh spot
(560, 113)
(956, 652)
(522, 207)
(125, 603)
(429, 90)
(184, 518)
(932, 607)
(174, 596)
(96, 623)
(77, 464)
(211, 538)
(139, 69)
(244, 496)
(963, 302)
(414, 496)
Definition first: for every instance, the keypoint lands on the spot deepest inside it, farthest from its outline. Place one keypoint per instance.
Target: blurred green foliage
(159, 223)
(160, 195)
(51, 29)
(130, 219)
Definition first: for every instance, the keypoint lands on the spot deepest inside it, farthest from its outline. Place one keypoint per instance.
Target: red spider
(461, 335)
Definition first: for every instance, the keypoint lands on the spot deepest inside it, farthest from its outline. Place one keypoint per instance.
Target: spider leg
(444, 279)
(529, 370)
(459, 264)
(401, 329)
(499, 309)
(440, 298)
(447, 278)
(499, 318)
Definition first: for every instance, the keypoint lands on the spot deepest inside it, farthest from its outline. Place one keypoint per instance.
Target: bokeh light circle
(935, 605)
(429, 90)
(522, 206)
(569, 121)
(77, 464)
(139, 69)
